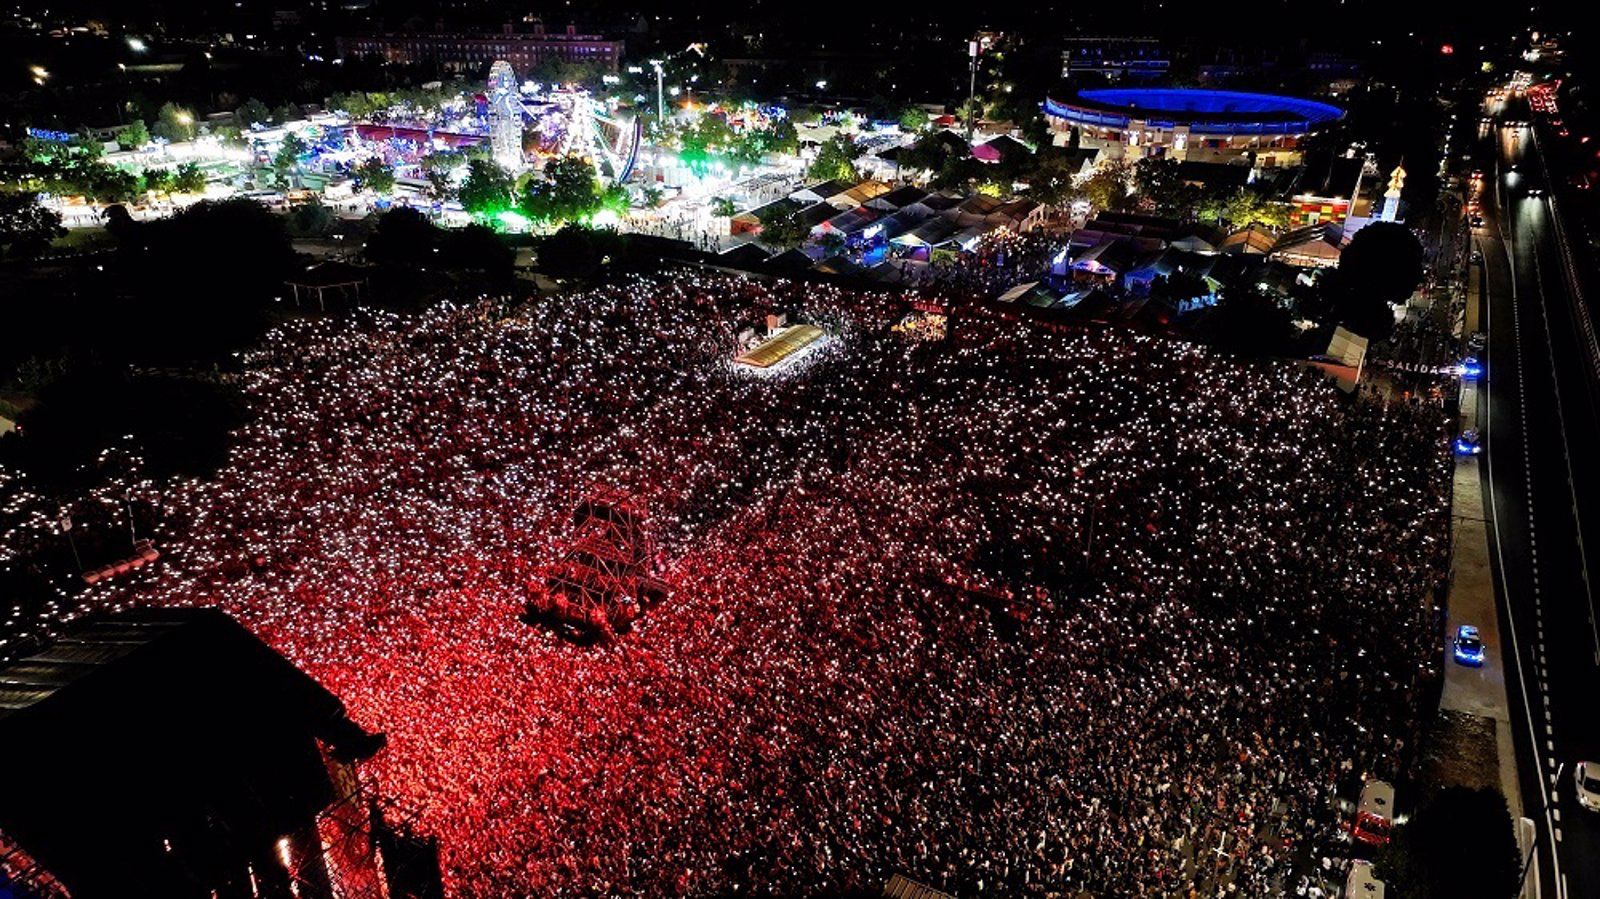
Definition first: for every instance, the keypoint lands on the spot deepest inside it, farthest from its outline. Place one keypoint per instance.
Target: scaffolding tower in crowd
(602, 581)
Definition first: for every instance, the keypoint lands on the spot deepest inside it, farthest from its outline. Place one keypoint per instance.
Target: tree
(26, 227)
(174, 123)
(288, 112)
(1249, 322)
(134, 135)
(958, 172)
(1107, 188)
(189, 179)
(311, 219)
(722, 206)
(286, 162)
(1156, 180)
(575, 251)
(252, 113)
(1460, 844)
(1384, 259)
(375, 175)
(158, 181)
(1379, 269)
(913, 119)
(477, 249)
(708, 137)
(200, 280)
(355, 105)
(439, 168)
(782, 137)
(835, 160)
(1251, 206)
(567, 192)
(785, 231)
(1179, 287)
(404, 237)
(1053, 180)
(181, 425)
(486, 189)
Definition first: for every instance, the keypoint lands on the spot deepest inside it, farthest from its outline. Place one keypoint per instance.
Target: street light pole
(661, 104)
(972, 85)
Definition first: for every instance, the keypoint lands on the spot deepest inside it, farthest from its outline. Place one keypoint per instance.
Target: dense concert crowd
(1014, 613)
(999, 261)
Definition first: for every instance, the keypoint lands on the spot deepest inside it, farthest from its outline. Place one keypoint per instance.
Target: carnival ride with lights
(586, 129)
(571, 122)
(601, 580)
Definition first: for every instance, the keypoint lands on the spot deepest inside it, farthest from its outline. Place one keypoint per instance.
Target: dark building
(170, 753)
(473, 53)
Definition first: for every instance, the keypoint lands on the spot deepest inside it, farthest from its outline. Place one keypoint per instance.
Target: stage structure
(602, 580)
(505, 117)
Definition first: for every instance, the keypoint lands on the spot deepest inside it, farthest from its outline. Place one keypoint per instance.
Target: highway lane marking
(1561, 423)
(1494, 518)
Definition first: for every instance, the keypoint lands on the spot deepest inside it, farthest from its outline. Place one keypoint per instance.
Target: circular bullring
(1201, 111)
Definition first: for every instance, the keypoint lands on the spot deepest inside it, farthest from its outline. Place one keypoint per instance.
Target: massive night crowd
(1014, 613)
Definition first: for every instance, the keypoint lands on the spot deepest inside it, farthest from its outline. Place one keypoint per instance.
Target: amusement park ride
(601, 579)
(581, 123)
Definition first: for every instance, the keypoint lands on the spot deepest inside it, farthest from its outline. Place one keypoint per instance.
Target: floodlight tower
(505, 117)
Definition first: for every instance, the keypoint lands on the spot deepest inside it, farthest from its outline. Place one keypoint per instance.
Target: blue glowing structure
(1201, 111)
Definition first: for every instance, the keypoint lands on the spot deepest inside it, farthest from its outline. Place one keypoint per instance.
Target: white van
(1361, 884)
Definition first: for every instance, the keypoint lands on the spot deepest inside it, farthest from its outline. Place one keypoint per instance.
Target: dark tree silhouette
(1460, 844)
(1381, 267)
(403, 237)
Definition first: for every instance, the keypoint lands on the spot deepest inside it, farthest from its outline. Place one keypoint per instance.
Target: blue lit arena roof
(1203, 111)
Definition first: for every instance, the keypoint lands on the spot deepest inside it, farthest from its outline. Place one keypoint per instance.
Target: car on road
(1467, 647)
(1477, 257)
(1469, 443)
(1586, 777)
(1477, 221)
(1535, 191)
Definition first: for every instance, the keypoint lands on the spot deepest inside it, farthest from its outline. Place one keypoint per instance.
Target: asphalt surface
(1542, 434)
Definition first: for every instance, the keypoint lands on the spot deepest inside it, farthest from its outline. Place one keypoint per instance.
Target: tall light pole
(972, 85)
(661, 103)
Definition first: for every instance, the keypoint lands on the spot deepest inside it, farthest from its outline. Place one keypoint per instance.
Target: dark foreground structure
(171, 753)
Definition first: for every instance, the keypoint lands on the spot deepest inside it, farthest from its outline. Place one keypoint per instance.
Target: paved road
(1542, 427)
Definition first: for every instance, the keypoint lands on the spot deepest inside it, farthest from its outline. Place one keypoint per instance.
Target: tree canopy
(375, 175)
(487, 188)
(785, 231)
(26, 226)
(569, 191)
(836, 159)
(133, 135)
(1460, 844)
(1384, 259)
(1379, 269)
(286, 162)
